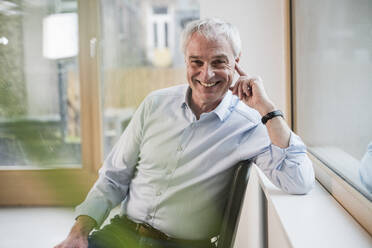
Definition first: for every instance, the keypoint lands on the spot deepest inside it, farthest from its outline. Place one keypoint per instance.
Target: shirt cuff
(295, 147)
(94, 207)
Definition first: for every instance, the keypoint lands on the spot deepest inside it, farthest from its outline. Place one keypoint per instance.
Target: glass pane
(140, 53)
(333, 75)
(39, 84)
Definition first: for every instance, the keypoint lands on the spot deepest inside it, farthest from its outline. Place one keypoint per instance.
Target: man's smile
(208, 85)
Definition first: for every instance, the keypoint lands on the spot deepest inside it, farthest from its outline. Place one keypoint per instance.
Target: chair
(234, 205)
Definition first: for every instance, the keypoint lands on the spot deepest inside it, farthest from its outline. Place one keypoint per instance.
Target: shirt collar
(222, 110)
(185, 103)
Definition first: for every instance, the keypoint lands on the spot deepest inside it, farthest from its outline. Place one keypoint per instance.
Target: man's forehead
(199, 46)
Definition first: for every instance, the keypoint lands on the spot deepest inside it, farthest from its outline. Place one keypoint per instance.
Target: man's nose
(206, 73)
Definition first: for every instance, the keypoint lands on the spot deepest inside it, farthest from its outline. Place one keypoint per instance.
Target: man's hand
(251, 91)
(78, 236)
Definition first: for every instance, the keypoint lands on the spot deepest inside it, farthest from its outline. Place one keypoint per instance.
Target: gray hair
(212, 28)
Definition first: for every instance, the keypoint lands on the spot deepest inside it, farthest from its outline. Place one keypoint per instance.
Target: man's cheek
(227, 73)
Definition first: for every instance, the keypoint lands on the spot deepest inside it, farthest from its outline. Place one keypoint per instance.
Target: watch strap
(271, 115)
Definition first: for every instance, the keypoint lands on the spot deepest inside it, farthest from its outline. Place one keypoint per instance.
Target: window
(161, 18)
(49, 133)
(156, 43)
(333, 85)
(40, 93)
(149, 59)
(166, 34)
(159, 10)
(62, 109)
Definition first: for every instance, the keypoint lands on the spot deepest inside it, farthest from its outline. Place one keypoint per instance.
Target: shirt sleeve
(287, 168)
(365, 169)
(116, 173)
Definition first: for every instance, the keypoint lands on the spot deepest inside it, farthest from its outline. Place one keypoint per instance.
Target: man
(173, 164)
(365, 169)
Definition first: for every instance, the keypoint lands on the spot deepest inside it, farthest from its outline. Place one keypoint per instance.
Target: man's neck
(199, 107)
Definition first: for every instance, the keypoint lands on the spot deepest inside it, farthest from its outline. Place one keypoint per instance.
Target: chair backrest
(234, 204)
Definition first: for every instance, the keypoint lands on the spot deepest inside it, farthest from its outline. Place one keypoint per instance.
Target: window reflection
(365, 169)
(333, 77)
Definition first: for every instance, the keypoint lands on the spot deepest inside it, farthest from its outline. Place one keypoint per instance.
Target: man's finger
(240, 91)
(240, 70)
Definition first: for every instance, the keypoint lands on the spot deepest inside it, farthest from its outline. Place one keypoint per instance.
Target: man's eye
(197, 62)
(218, 62)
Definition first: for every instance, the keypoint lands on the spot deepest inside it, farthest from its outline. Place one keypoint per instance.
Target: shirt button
(169, 172)
(158, 193)
(179, 148)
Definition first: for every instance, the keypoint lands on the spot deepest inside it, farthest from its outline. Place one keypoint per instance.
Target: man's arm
(112, 185)
(285, 161)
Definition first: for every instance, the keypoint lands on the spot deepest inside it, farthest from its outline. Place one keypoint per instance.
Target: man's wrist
(264, 109)
(271, 115)
(83, 225)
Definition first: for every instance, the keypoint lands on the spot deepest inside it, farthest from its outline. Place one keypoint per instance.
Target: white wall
(264, 33)
(263, 26)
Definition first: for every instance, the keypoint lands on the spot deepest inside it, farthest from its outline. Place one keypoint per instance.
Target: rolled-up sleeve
(288, 168)
(116, 173)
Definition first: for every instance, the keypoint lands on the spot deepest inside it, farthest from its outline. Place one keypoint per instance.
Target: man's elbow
(304, 188)
(304, 179)
(300, 187)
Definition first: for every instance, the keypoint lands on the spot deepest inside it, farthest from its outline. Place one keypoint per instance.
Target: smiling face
(210, 69)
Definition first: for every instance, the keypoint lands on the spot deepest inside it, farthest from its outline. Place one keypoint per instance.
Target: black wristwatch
(271, 115)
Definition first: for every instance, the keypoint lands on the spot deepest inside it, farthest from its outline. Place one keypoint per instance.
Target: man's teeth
(208, 85)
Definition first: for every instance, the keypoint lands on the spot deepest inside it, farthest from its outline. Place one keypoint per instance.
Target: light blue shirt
(365, 169)
(172, 171)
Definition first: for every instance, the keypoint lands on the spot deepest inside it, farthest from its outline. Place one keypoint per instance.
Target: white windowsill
(315, 219)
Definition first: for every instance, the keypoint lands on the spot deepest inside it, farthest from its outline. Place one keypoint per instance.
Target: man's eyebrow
(194, 57)
(221, 56)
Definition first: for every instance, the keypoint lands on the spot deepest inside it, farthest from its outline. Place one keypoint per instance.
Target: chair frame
(234, 205)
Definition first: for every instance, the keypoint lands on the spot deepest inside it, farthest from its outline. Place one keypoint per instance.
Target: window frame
(67, 187)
